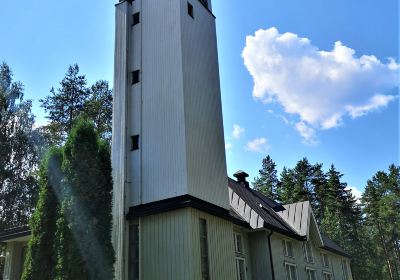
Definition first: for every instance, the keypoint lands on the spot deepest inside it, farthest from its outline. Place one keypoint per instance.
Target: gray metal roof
(293, 220)
(257, 209)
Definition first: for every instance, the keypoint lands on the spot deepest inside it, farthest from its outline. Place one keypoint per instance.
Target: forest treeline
(368, 228)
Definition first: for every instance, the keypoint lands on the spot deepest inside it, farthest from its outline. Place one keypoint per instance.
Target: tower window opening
(135, 142)
(135, 77)
(136, 18)
(205, 3)
(190, 10)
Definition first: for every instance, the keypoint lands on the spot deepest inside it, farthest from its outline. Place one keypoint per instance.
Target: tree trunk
(387, 258)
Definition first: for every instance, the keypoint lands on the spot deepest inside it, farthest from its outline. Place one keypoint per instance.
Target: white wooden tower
(168, 145)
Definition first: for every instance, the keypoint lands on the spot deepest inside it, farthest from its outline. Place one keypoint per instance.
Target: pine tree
(67, 103)
(296, 184)
(381, 203)
(84, 227)
(267, 181)
(40, 258)
(319, 183)
(286, 187)
(99, 108)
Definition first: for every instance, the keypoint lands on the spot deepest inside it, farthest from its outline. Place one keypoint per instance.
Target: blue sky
(345, 112)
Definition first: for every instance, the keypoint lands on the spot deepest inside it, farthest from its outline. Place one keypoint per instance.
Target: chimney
(241, 178)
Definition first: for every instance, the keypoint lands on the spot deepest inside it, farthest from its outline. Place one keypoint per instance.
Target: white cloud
(228, 146)
(237, 131)
(259, 145)
(321, 87)
(308, 133)
(356, 192)
(374, 103)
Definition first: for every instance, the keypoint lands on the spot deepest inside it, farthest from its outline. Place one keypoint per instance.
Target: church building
(176, 213)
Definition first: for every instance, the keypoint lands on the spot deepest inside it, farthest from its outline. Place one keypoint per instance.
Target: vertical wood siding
(176, 106)
(205, 147)
(13, 262)
(164, 173)
(170, 246)
(259, 251)
(280, 259)
(118, 152)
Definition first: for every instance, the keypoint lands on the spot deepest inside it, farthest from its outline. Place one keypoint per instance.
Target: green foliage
(370, 233)
(267, 181)
(381, 202)
(18, 157)
(67, 103)
(74, 99)
(99, 108)
(40, 258)
(84, 227)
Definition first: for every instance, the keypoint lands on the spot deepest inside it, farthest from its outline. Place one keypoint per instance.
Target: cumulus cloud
(259, 145)
(308, 133)
(321, 87)
(228, 146)
(237, 131)
(356, 192)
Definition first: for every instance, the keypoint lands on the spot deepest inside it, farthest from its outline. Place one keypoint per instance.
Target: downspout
(270, 255)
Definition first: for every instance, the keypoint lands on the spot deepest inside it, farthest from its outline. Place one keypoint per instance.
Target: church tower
(171, 203)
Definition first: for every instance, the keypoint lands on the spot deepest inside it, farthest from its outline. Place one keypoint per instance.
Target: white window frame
(286, 252)
(308, 269)
(307, 258)
(325, 264)
(237, 260)
(237, 249)
(289, 277)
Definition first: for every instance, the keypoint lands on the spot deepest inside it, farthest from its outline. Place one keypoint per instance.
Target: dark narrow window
(205, 3)
(190, 10)
(135, 142)
(204, 249)
(135, 77)
(136, 18)
(134, 252)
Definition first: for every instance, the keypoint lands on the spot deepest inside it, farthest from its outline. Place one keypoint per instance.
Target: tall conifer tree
(40, 258)
(84, 229)
(267, 180)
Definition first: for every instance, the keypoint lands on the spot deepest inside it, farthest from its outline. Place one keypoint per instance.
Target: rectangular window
(325, 260)
(190, 10)
(291, 271)
(311, 275)
(205, 272)
(136, 18)
(345, 270)
(238, 243)
(135, 77)
(134, 142)
(240, 269)
(308, 253)
(134, 252)
(287, 248)
(327, 275)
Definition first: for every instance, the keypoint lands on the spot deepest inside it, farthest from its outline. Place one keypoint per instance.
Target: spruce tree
(84, 228)
(40, 258)
(286, 187)
(267, 180)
